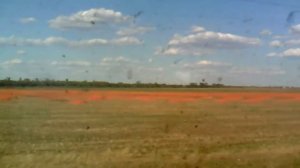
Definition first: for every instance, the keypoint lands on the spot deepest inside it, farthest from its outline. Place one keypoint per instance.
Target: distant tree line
(8, 82)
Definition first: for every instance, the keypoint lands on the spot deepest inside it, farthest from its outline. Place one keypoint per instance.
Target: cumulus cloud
(71, 63)
(21, 52)
(172, 51)
(213, 40)
(197, 29)
(201, 42)
(288, 40)
(292, 42)
(204, 64)
(22, 41)
(193, 71)
(265, 32)
(276, 43)
(285, 43)
(295, 29)
(280, 37)
(272, 54)
(27, 20)
(65, 42)
(257, 71)
(126, 41)
(116, 60)
(292, 52)
(150, 69)
(12, 62)
(89, 18)
(183, 76)
(136, 30)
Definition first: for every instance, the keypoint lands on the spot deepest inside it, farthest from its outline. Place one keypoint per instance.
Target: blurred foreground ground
(130, 128)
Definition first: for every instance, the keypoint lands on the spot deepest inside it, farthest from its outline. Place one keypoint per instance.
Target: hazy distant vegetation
(8, 82)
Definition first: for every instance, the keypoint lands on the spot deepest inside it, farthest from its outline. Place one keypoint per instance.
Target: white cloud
(265, 32)
(150, 69)
(173, 51)
(286, 43)
(183, 76)
(21, 52)
(114, 60)
(201, 42)
(276, 43)
(280, 36)
(21, 41)
(204, 64)
(197, 29)
(273, 54)
(89, 42)
(126, 41)
(214, 40)
(136, 30)
(292, 52)
(257, 71)
(295, 29)
(89, 18)
(293, 42)
(71, 63)
(65, 42)
(192, 72)
(12, 62)
(27, 20)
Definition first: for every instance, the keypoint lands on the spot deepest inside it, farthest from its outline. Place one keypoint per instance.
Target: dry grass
(116, 133)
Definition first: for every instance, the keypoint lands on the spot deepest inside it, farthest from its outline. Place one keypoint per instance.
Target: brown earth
(81, 97)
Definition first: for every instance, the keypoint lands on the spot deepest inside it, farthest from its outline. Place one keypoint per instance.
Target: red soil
(77, 97)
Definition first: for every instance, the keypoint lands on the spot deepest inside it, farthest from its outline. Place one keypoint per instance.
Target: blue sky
(241, 41)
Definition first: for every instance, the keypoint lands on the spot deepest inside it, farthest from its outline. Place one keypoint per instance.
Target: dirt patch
(9, 95)
(78, 97)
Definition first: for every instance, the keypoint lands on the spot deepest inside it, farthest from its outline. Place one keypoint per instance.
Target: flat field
(210, 128)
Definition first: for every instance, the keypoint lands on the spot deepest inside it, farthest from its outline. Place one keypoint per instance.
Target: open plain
(50, 127)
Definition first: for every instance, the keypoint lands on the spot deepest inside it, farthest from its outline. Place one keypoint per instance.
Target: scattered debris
(220, 79)
(291, 17)
(178, 60)
(139, 13)
(247, 20)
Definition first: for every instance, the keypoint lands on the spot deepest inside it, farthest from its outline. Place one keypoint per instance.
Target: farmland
(210, 128)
